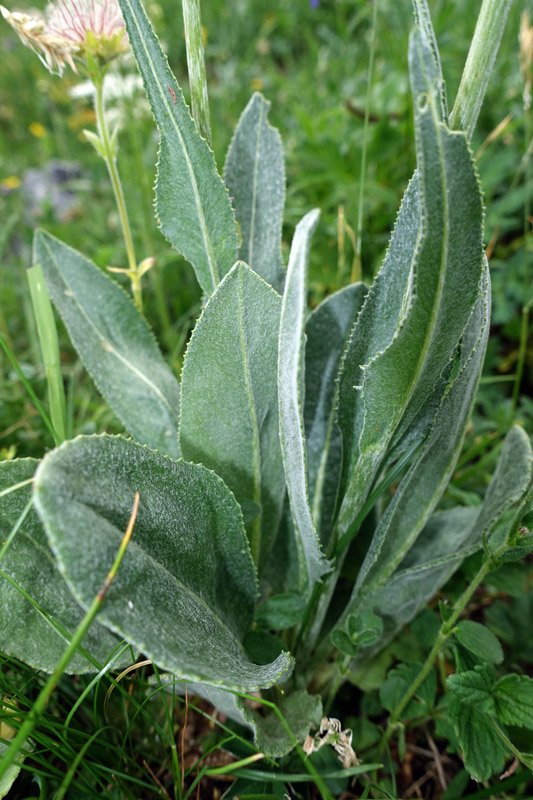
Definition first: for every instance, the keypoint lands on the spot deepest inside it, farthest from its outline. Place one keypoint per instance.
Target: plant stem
(44, 696)
(522, 352)
(47, 331)
(357, 264)
(445, 631)
(480, 61)
(109, 156)
(196, 67)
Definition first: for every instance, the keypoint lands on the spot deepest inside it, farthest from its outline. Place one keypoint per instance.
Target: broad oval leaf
(229, 410)
(192, 203)
(446, 269)
(39, 614)
(312, 564)
(114, 343)
(255, 176)
(185, 592)
(479, 640)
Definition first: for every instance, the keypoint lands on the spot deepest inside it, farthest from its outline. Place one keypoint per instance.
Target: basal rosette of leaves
(256, 473)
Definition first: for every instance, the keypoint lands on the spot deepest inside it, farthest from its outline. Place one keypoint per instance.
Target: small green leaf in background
(396, 685)
(193, 205)
(229, 400)
(480, 641)
(300, 710)
(482, 749)
(115, 344)
(186, 589)
(255, 177)
(361, 630)
(513, 695)
(281, 611)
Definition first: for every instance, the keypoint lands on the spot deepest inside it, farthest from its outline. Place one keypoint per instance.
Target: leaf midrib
(208, 246)
(103, 338)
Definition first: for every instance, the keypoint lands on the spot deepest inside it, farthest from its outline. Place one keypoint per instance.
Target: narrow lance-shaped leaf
(399, 381)
(327, 331)
(451, 535)
(312, 563)
(192, 203)
(427, 477)
(389, 298)
(229, 411)
(38, 632)
(114, 343)
(255, 177)
(185, 592)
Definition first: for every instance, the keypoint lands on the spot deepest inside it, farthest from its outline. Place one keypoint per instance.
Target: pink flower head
(76, 19)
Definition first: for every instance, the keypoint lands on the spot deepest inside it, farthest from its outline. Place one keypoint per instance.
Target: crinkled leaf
(185, 591)
(300, 710)
(483, 751)
(327, 331)
(255, 177)
(115, 344)
(38, 632)
(479, 640)
(192, 203)
(513, 695)
(312, 563)
(229, 409)
(475, 687)
(445, 270)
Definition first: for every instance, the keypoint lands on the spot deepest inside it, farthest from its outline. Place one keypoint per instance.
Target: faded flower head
(85, 29)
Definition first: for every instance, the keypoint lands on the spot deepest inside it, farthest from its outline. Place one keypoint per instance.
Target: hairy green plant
(264, 477)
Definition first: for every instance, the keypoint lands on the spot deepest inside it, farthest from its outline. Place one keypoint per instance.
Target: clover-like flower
(71, 29)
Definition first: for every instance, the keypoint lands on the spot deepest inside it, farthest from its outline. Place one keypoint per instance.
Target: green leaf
(300, 710)
(8, 779)
(255, 177)
(312, 564)
(115, 344)
(398, 682)
(474, 687)
(327, 331)
(281, 611)
(38, 611)
(433, 465)
(227, 703)
(510, 482)
(192, 203)
(185, 591)
(483, 751)
(445, 262)
(229, 405)
(479, 640)
(513, 695)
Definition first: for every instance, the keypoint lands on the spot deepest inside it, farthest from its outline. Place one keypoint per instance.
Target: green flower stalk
(86, 34)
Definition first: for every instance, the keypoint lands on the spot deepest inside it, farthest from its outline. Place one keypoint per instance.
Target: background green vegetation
(312, 64)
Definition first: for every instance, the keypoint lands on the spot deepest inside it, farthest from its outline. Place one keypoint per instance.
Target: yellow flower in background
(37, 130)
(10, 182)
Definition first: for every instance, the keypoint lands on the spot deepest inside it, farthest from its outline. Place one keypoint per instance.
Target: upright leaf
(399, 379)
(327, 332)
(185, 592)
(39, 613)
(312, 563)
(229, 411)
(255, 177)
(115, 344)
(192, 203)
(429, 474)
